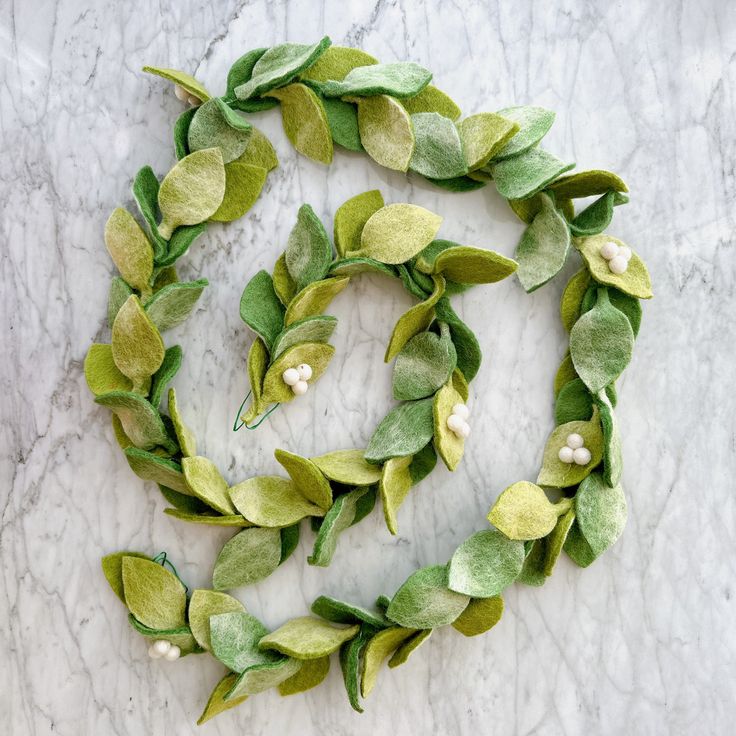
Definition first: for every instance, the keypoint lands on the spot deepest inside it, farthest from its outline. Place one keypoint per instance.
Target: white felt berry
(566, 454)
(194, 101)
(305, 371)
(618, 265)
(300, 388)
(161, 647)
(455, 423)
(152, 653)
(461, 410)
(464, 430)
(581, 456)
(625, 252)
(609, 250)
(291, 376)
(173, 654)
(181, 93)
(574, 441)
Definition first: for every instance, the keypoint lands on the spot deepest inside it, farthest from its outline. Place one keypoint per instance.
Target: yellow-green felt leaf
(257, 367)
(129, 249)
(523, 511)
(101, 372)
(206, 603)
(351, 217)
(465, 264)
(217, 703)
(565, 373)
(348, 467)
(432, 99)
(449, 445)
(206, 483)
(310, 674)
(315, 354)
(407, 648)
(308, 638)
(283, 283)
(307, 477)
(187, 81)
(587, 184)
(336, 62)
(156, 597)
(483, 135)
(481, 615)
(185, 436)
(572, 298)
(314, 299)
(112, 568)
(394, 485)
(386, 131)
(271, 501)
(259, 152)
(376, 652)
(243, 185)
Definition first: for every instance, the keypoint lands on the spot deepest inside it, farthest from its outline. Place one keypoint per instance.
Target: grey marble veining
(641, 643)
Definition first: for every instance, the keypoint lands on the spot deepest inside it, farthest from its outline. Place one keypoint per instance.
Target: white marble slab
(641, 643)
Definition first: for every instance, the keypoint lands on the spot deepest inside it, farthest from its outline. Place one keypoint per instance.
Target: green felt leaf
(209, 519)
(259, 153)
(137, 347)
(422, 463)
(405, 430)
(396, 482)
(400, 79)
(257, 367)
(336, 62)
(533, 122)
(543, 248)
(307, 638)
(165, 277)
(378, 649)
(205, 482)
(574, 401)
(634, 281)
(289, 541)
(386, 131)
(262, 677)
(572, 298)
(156, 597)
(438, 151)
(187, 81)
(587, 184)
(424, 364)
(215, 125)
(283, 284)
(314, 299)
(356, 266)
(525, 174)
(555, 542)
(204, 604)
(278, 66)
(185, 437)
(270, 501)
(601, 344)
(565, 374)
(145, 191)
(179, 243)
(432, 99)
(307, 477)
(172, 304)
(458, 184)
(481, 615)
(577, 548)
(629, 305)
(317, 355)
(250, 556)
(449, 445)
(351, 217)
(112, 568)
(523, 512)
(129, 249)
(309, 675)
(350, 663)
(554, 472)
(261, 309)
(234, 638)
(242, 70)
(424, 600)
(310, 329)
(408, 647)
(192, 191)
(484, 564)
(464, 264)
(243, 185)
(483, 136)
(600, 512)
(597, 216)
(140, 420)
(339, 612)
(466, 344)
(342, 118)
(460, 385)
(101, 372)
(148, 466)
(181, 133)
(165, 374)
(180, 636)
(527, 209)
(612, 454)
(308, 251)
(216, 703)
(119, 293)
(348, 467)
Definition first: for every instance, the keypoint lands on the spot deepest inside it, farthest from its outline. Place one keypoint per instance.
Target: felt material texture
(629, 305)
(308, 250)
(544, 246)
(336, 62)
(459, 184)
(612, 453)
(378, 649)
(601, 344)
(386, 132)
(169, 368)
(119, 293)
(187, 81)
(587, 184)
(187, 505)
(355, 266)
(527, 209)
(172, 304)
(307, 477)
(438, 150)
(424, 364)
(597, 216)
(449, 445)
(216, 703)
(314, 299)
(139, 419)
(129, 249)
(259, 152)
(480, 615)
(179, 242)
(572, 298)
(533, 122)
(432, 99)
(165, 276)
(422, 463)
(214, 125)
(348, 467)
(289, 541)
(112, 568)
(242, 70)
(309, 675)
(522, 176)
(250, 556)
(405, 430)
(424, 600)
(234, 638)
(318, 328)
(339, 612)
(153, 595)
(342, 118)
(148, 466)
(209, 519)
(145, 191)
(395, 484)
(351, 217)
(257, 367)
(523, 512)
(315, 354)
(565, 374)
(350, 663)
(465, 264)
(577, 548)
(555, 542)
(400, 79)
(243, 185)
(180, 636)
(181, 133)
(483, 135)
(261, 309)
(261, 677)
(460, 385)
(206, 603)
(574, 401)
(270, 501)
(305, 121)
(469, 355)
(484, 564)
(205, 482)
(307, 637)
(185, 437)
(408, 647)
(634, 281)
(101, 373)
(600, 512)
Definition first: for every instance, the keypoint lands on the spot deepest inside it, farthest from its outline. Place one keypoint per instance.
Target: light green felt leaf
(587, 184)
(600, 512)
(405, 430)
(424, 364)
(112, 568)
(261, 309)
(612, 455)
(348, 467)
(522, 176)
(308, 251)
(523, 511)
(187, 441)
(262, 677)
(396, 482)
(351, 217)
(555, 542)
(257, 367)
(192, 191)
(483, 136)
(259, 152)
(342, 117)
(139, 419)
(101, 372)
(119, 292)
(572, 297)
(309, 675)
(318, 328)
(378, 649)
(205, 482)
(129, 249)
(250, 556)
(165, 374)
(481, 615)
(543, 248)
(424, 600)
(601, 344)
(215, 125)
(533, 122)
(317, 355)
(187, 81)
(270, 501)
(464, 264)
(485, 563)
(308, 638)
(386, 131)
(336, 62)
(438, 151)
(204, 604)
(449, 445)
(148, 466)
(172, 304)
(432, 99)
(156, 597)
(307, 477)
(216, 703)
(400, 79)
(243, 185)
(314, 299)
(339, 612)
(234, 638)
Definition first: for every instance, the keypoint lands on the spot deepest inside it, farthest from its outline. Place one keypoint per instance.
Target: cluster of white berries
(574, 451)
(297, 378)
(618, 256)
(162, 649)
(457, 422)
(184, 96)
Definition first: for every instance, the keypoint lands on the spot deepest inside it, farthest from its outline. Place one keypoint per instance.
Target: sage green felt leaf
(339, 612)
(278, 66)
(145, 191)
(438, 151)
(405, 430)
(215, 125)
(483, 136)
(601, 344)
(543, 248)
(458, 184)
(187, 81)
(612, 456)
(310, 329)
(234, 638)
(101, 372)
(378, 649)
(137, 347)
(339, 517)
(572, 298)
(554, 472)
(365, 504)
(181, 134)
(342, 118)
(577, 548)
(261, 309)
(140, 420)
(397, 232)
(629, 305)
(574, 401)
(307, 638)
(314, 299)
(350, 663)
(587, 184)
(348, 467)
(169, 368)
(148, 466)
(172, 304)
(600, 512)
(283, 284)
(522, 176)
(351, 217)
(309, 675)
(396, 482)
(481, 615)
(216, 703)
(119, 293)
(209, 519)
(179, 243)
(180, 636)
(400, 79)
(308, 251)
(112, 568)
(554, 543)
(257, 367)
(156, 597)
(242, 70)
(597, 216)
(129, 249)
(386, 131)
(205, 482)
(336, 62)
(411, 280)
(192, 191)
(533, 122)
(307, 477)
(425, 601)
(317, 355)
(270, 501)
(634, 281)
(355, 266)
(250, 556)
(466, 344)
(464, 264)
(523, 512)
(243, 185)
(204, 604)
(305, 121)
(262, 677)
(449, 445)
(432, 99)
(424, 364)
(185, 437)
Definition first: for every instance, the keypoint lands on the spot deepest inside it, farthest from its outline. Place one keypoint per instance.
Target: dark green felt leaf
(340, 612)
(242, 70)
(522, 176)
(318, 328)
(596, 217)
(170, 306)
(577, 548)
(467, 347)
(533, 122)
(165, 374)
(261, 309)
(600, 512)
(422, 463)
(145, 191)
(308, 251)
(342, 117)
(180, 241)
(438, 151)
(423, 365)
(629, 305)
(340, 516)
(289, 541)
(155, 596)
(404, 431)
(400, 79)
(141, 422)
(181, 133)
(250, 556)
(612, 454)
(458, 184)
(350, 660)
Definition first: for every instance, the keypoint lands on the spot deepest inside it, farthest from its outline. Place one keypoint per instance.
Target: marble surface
(641, 643)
